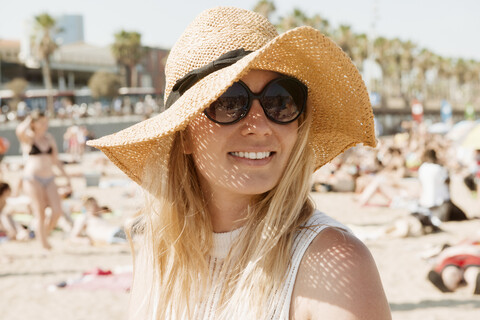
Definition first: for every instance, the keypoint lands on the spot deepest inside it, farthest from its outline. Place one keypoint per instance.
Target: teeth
(252, 155)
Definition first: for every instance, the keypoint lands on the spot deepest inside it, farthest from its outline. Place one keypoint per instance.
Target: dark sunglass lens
(283, 100)
(230, 106)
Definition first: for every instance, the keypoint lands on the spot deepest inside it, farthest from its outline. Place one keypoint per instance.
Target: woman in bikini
(39, 178)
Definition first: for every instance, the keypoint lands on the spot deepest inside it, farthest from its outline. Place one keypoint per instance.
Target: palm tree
(423, 63)
(128, 51)
(104, 84)
(45, 46)
(381, 48)
(319, 23)
(404, 65)
(345, 39)
(360, 49)
(265, 8)
(295, 19)
(18, 87)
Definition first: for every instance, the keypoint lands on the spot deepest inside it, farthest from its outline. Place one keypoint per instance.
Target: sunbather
(93, 228)
(457, 266)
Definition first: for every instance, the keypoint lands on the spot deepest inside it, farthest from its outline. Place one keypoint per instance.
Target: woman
(228, 230)
(40, 151)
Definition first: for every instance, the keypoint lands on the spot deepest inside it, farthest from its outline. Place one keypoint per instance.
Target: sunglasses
(282, 99)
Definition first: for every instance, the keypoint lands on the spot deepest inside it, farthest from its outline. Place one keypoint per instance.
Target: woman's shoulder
(321, 220)
(338, 278)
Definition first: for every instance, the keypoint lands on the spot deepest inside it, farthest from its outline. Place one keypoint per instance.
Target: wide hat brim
(338, 102)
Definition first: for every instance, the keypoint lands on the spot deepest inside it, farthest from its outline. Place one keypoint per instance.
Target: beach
(30, 278)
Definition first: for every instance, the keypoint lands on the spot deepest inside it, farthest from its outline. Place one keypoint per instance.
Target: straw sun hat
(337, 98)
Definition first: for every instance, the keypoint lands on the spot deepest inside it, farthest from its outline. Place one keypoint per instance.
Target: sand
(28, 275)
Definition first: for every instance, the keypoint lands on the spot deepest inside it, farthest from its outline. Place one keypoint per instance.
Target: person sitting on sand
(387, 181)
(93, 228)
(12, 229)
(435, 189)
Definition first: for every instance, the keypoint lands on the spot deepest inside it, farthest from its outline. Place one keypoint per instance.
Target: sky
(446, 27)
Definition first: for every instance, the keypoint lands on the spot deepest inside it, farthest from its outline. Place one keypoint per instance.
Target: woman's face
(244, 158)
(40, 125)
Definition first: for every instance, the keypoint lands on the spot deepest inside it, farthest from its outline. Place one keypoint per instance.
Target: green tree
(45, 46)
(319, 23)
(424, 62)
(298, 18)
(345, 38)
(104, 84)
(128, 51)
(404, 65)
(360, 49)
(295, 19)
(18, 87)
(265, 8)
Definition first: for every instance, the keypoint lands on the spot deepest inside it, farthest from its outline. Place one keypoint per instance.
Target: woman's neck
(38, 135)
(227, 211)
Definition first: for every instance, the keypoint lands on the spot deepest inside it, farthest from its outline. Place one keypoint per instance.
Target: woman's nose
(256, 122)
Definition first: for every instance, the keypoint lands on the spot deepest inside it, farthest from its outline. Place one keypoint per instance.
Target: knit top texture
(222, 244)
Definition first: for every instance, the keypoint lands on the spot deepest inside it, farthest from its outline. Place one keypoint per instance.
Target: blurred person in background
(74, 142)
(12, 229)
(435, 189)
(4, 146)
(93, 228)
(477, 172)
(41, 157)
(456, 266)
(387, 181)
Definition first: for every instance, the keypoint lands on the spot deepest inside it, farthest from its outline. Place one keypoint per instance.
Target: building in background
(70, 29)
(151, 69)
(72, 65)
(9, 60)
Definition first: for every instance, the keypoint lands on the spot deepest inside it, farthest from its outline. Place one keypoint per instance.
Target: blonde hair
(171, 267)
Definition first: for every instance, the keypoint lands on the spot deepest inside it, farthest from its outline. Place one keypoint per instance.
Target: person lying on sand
(92, 228)
(457, 266)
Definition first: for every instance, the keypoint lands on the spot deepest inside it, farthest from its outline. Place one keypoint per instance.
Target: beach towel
(98, 279)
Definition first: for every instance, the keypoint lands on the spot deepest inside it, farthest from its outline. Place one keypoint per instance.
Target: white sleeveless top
(222, 243)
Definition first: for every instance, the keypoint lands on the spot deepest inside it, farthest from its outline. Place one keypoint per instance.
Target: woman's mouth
(252, 155)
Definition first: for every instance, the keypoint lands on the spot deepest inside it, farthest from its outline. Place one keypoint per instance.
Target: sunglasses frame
(252, 96)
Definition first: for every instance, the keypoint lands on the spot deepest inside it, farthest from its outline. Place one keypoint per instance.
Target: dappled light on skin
(217, 150)
(338, 276)
(334, 266)
(230, 177)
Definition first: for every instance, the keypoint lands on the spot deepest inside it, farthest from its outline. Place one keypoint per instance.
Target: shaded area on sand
(441, 303)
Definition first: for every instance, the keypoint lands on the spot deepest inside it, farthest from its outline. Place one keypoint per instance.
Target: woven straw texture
(337, 98)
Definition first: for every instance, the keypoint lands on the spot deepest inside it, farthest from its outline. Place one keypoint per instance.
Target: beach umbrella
(439, 127)
(459, 130)
(472, 138)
